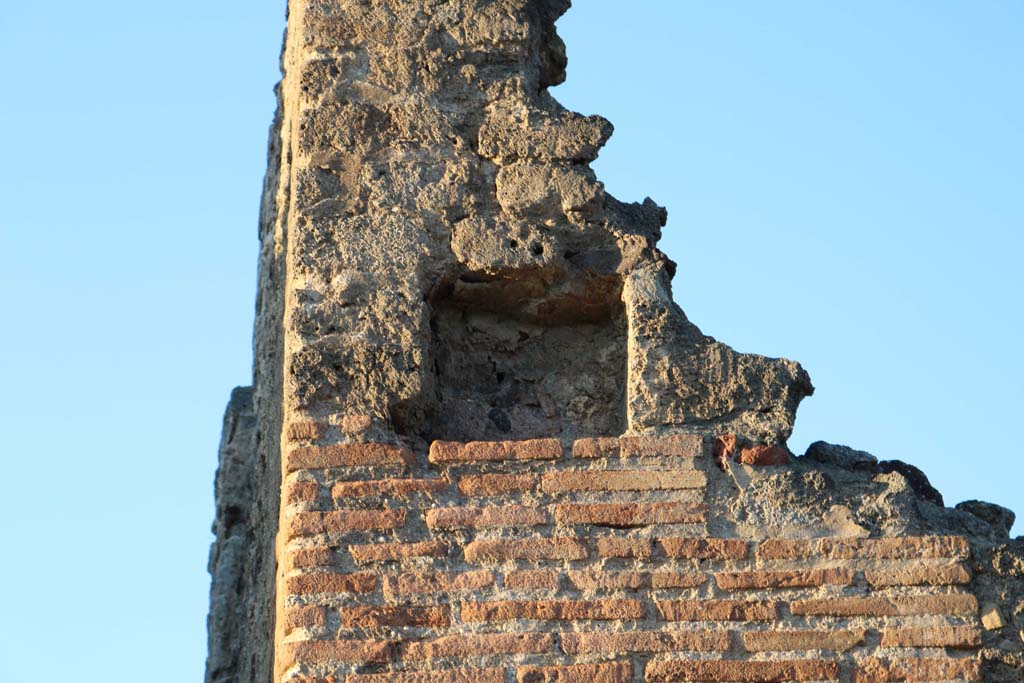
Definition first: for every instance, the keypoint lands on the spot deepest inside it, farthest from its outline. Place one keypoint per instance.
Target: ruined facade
(483, 442)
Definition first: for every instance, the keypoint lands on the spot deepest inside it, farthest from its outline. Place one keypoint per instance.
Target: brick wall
(520, 561)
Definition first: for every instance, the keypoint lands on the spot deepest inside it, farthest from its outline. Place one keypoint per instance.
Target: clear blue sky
(844, 185)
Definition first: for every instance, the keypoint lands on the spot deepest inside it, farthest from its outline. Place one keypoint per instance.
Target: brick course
(383, 552)
(496, 516)
(629, 514)
(747, 671)
(612, 672)
(776, 641)
(496, 484)
(386, 487)
(524, 563)
(343, 521)
(887, 607)
(435, 582)
(475, 645)
(621, 480)
(716, 610)
(645, 641)
(493, 675)
(554, 610)
(348, 455)
(533, 549)
(784, 579)
(916, 670)
(492, 451)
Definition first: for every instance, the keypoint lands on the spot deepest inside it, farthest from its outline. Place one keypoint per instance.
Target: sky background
(844, 183)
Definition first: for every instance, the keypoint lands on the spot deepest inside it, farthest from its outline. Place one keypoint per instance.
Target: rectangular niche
(502, 375)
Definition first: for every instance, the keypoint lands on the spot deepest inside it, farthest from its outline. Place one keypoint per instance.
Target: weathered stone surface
(231, 553)
(997, 516)
(917, 479)
(840, 456)
(446, 237)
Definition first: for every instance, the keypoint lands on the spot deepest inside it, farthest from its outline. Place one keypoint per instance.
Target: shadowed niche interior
(515, 360)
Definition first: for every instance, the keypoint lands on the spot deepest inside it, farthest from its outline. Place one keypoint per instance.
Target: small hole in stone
(537, 248)
(513, 244)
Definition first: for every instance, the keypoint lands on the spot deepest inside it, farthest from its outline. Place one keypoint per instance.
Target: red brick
(935, 635)
(318, 556)
(386, 487)
(307, 616)
(784, 579)
(918, 575)
(644, 641)
(630, 514)
(889, 548)
(790, 641)
(680, 445)
(716, 610)
(530, 549)
(625, 547)
(593, 579)
(600, 447)
(960, 604)
(349, 455)
(668, 579)
(419, 583)
(359, 582)
(622, 480)
(306, 431)
(301, 492)
(705, 548)
(552, 610)
(312, 652)
(486, 517)
(496, 484)
(371, 616)
(439, 676)
(393, 552)
(540, 579)
(916, 670)
(492, 451)
(746, 671)
(342, 521)
(475, 645)
(761, 456)
(788, 549)
(610, 672)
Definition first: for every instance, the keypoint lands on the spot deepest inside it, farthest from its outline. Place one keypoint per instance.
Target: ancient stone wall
(483, 441)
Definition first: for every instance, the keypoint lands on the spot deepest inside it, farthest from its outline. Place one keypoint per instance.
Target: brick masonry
(525, 562)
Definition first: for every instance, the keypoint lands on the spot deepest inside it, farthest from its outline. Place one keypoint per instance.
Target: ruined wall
(485, 442)
(443, 215)
(630, 559)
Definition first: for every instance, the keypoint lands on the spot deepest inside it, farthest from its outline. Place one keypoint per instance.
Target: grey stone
(917, 479)
(1000, 518)
(840, 456)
